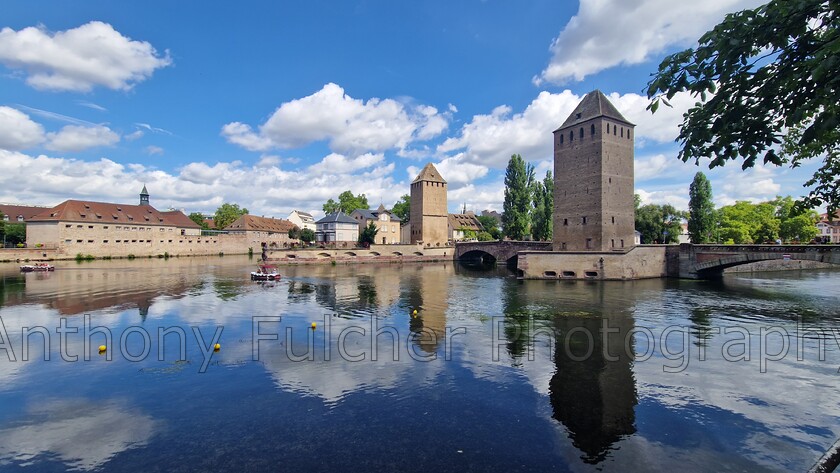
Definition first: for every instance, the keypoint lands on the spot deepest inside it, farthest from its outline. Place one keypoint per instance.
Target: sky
(282, 105)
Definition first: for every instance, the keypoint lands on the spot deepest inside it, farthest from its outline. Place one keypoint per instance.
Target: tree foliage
(659, 223)
(491, 227)
(701, 210)
(779, 219)
(543, 213)
(347, 203)
(294, 233)
(519, 179)
(368, 235)
(227, 214)
(199, 220)
(307, 235)
(402, 208)
(15, 233)
(2, 225)
(759, 74)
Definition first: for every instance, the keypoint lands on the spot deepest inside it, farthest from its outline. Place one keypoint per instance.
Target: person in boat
(264, 255)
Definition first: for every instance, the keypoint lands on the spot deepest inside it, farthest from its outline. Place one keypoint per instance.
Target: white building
(302, 220)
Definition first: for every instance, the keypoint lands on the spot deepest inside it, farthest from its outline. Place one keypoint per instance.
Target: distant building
(337, 228)
(78, 226)
(593, 178)
(464, 226)
(302, 219)
(19, 213)
(429, 214)
(386, 222)
(829, 231)
(684, 237)
(271, 231)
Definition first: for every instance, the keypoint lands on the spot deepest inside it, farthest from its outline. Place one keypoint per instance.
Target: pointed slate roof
(594, 105)
(144, 191)
(429, 173)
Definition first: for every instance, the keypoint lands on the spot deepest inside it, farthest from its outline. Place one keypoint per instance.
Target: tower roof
(429, 173)
(144, 191)
(594, 105)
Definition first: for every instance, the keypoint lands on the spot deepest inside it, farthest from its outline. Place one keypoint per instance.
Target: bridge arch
(708, 261)
(478, 256)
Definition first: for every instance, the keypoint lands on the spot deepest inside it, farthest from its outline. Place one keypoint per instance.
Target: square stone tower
(429, 215)
(593, 178)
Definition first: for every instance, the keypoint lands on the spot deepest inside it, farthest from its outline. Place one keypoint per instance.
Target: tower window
(628, 133)
(613, 220)
(615, 130)
(565, 221)
(622, 132)
(571, 136)
(561, 139)
(609, 180)
(589, 243)
(608, 128)
(622, 243)
(612, 243)
(592, 129)
(583, 220)
(581, 132)
(577, 116)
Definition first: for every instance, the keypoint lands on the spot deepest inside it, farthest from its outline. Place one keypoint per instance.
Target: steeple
(594, 105)
(144, 196)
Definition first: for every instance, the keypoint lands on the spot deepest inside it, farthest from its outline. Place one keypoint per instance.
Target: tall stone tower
(593, 178)
(144, 196)
(429, 214)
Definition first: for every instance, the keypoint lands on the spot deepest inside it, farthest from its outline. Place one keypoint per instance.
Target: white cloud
(656, 167)
(454, 170)
(340, 164)
(18, 131)
(491, 139)
(78, 59)
(263, 188)
(136, 135)
(153, 150)
(351, 126)
(78, 138)
(608, 33)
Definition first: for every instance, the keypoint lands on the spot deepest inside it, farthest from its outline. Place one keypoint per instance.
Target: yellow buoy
(415, 312)
(102, 348)
(217, 347)
(314, 325)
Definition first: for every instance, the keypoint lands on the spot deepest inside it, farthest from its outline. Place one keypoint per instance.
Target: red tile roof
(262, 224)
(25, 211)
(103, 212)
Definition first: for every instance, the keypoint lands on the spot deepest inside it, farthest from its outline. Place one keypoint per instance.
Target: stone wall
(637, 263)
(780, 265)
(376, 254)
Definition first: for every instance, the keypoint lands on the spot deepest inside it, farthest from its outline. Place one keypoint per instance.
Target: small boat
(27, 268)
(265, 272)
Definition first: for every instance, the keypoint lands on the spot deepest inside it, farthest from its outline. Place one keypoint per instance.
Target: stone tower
(429, 214)
(144, 196)
(593, 178)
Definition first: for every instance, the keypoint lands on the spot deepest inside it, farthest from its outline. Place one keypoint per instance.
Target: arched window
(571, 136)
(581, 132)
(561, 138)
(592, 129)
(615, 130)
(608, 128)
(622, 132)
(628, 133)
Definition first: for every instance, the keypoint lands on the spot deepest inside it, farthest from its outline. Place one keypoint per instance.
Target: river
(490, 373)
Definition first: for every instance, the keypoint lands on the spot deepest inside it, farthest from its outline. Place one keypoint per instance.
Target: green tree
(199, 220)
(490, 225)
(307, 235)
(746, 223)
(402, 208)
(484, 236)
(519, 179)
(368, 234)
(227, 214)
(759, 74)
(331, 207)
(2, 225)
(795, 223)
(543, 213)
(659, 223)
(701, 210)
(294, 233)
(15, 233)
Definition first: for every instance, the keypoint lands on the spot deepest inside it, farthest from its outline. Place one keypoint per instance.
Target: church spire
(144, 196)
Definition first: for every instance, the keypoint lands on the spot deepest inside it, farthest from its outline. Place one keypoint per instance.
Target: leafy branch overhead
(768, 83)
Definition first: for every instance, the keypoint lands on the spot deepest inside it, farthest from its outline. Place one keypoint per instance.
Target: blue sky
(282, 105)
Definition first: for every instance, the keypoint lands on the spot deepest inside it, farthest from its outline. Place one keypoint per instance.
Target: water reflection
(81, 433)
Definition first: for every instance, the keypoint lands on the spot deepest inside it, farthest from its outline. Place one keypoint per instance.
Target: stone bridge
(504, 252)
(709, 261)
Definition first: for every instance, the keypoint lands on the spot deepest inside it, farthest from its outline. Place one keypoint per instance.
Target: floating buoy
(314, 325)
(217, 347)
(102, 348)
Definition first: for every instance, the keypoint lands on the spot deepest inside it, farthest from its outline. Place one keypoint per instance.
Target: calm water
(491, 374)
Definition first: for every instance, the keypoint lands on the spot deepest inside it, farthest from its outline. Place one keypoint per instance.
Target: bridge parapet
(709, 261)
(502, 251)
